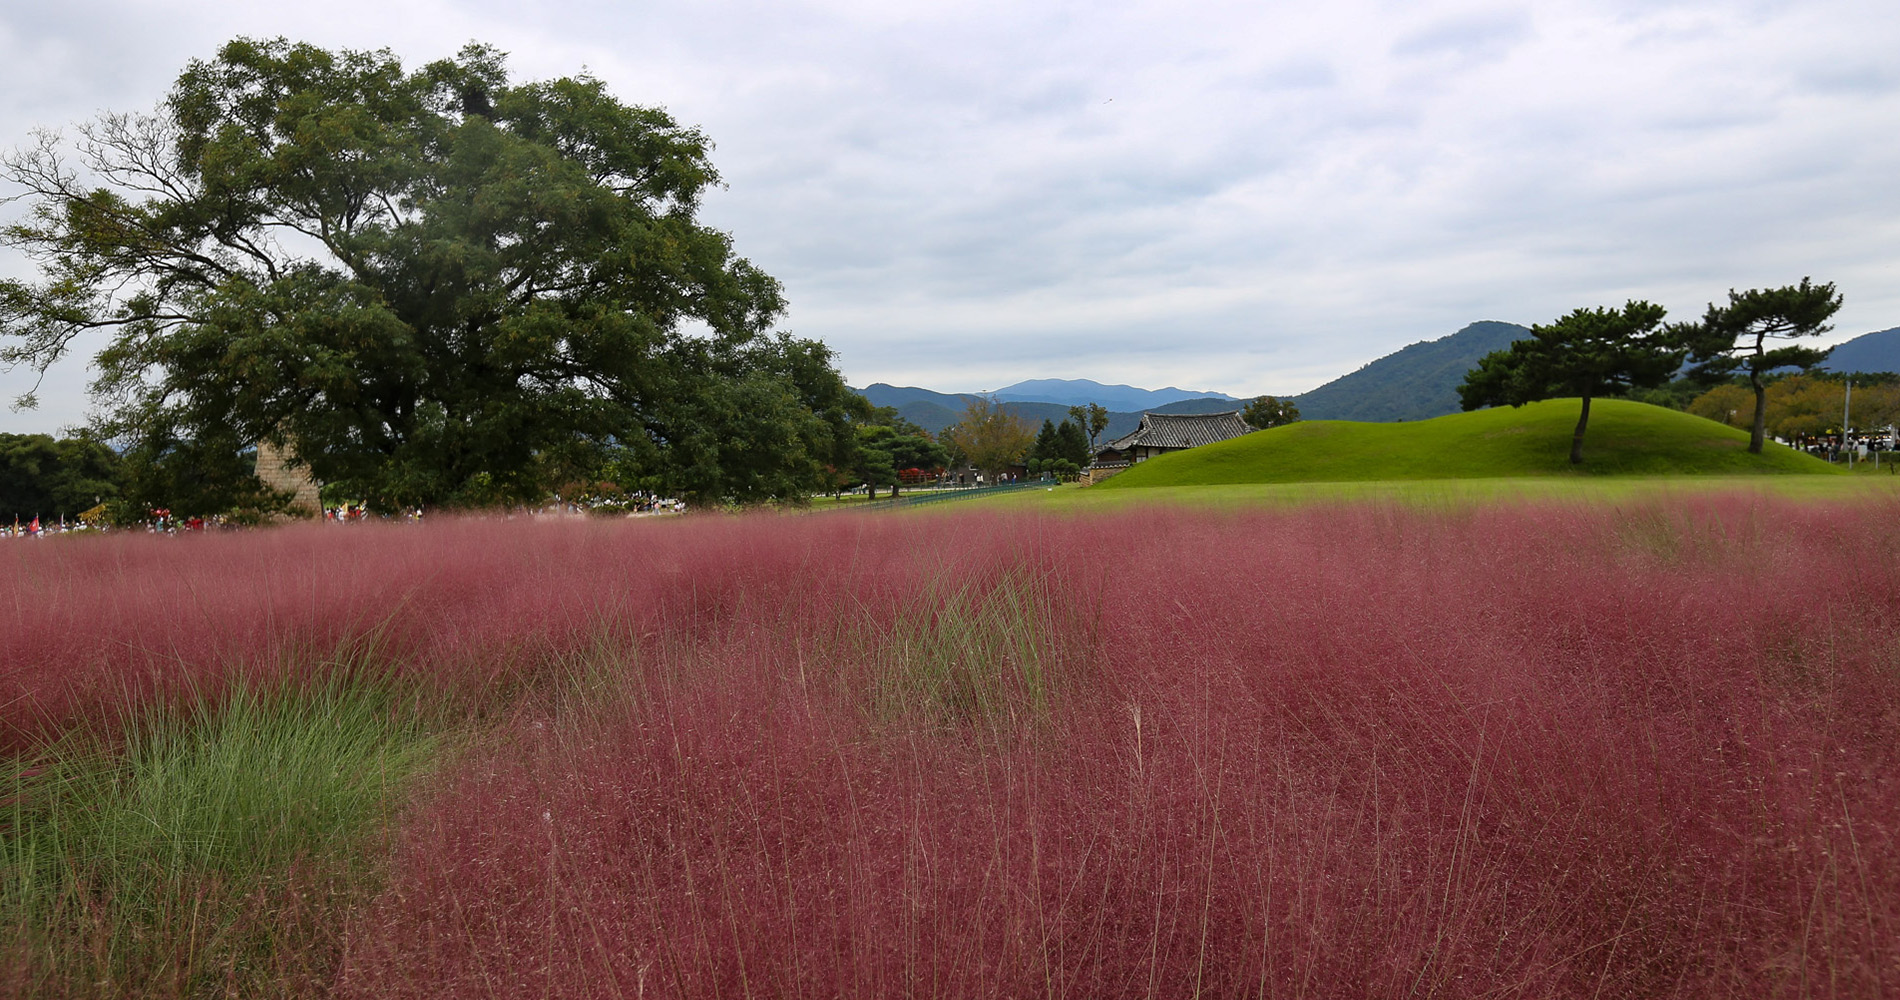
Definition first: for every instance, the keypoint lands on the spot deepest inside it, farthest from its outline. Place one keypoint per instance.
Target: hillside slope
(1414, 383)
(1869, 352)
(1624, 438)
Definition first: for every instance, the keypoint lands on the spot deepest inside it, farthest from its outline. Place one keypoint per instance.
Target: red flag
(34, 528)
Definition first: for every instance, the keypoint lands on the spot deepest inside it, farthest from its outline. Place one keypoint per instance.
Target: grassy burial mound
(1624, 438)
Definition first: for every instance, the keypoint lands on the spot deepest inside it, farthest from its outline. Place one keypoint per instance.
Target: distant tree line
(1060, 450)
(1806, 404)
(55, 478)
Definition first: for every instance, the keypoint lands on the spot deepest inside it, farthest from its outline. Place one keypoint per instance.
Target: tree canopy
(1739, 336)
(1092, 419)
(432, 285)
(1807, 405)
(41, 476)
(1588, 353)
(1062, 450)
(1266, 411)
(885, 452)
(990, 436)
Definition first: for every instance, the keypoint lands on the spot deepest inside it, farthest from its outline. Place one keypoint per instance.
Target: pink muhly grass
(96, 625)
(1334, 751)
(1338, 751)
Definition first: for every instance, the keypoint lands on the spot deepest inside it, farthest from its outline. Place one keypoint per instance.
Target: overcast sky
(1248, 197)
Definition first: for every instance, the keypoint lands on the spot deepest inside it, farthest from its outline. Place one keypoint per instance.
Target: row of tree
(1060, 450)
(1598, 352)
(993, 438)
(55, 478)
(1807, 405)
(48, 477)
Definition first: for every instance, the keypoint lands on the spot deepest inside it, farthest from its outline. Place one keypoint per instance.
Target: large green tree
(1589, 353)
(872, 462)
(433, 285)
(1739, 336)
(885, 452)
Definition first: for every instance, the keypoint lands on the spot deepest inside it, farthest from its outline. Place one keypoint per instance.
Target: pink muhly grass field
(1359, 750)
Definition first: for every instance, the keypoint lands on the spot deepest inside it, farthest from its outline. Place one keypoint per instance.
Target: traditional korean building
(1161, 433)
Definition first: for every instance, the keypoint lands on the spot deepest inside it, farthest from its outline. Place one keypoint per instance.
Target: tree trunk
(1576, 440)
(1760, 431)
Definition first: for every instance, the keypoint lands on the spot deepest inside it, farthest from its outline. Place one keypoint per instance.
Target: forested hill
(1415, 383)
(1869, 352)
(933, 411)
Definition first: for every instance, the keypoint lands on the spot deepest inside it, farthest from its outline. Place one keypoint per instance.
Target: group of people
(159, 523)
(34, 529)
(1858, 447)
(163, 522)
(351, 513)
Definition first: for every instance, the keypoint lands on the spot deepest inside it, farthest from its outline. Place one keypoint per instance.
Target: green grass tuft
(1623, 439)
(992, 653)
(176, 861)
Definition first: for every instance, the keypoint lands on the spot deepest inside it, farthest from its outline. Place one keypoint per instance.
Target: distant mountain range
(1079, 391)
(933, 411)
(1869, 352)
(1417, 382)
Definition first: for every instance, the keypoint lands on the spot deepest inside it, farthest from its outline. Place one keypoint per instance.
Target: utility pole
(1846, 404)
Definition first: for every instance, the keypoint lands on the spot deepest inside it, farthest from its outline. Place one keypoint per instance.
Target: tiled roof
(1182, 430)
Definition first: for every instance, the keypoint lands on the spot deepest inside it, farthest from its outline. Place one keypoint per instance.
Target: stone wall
(274, 468)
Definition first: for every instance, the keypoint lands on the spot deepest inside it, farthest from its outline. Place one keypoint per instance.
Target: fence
(947, 494)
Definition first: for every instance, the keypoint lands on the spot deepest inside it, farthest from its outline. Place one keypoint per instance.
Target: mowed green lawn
(1624, 439)
(1462, 493)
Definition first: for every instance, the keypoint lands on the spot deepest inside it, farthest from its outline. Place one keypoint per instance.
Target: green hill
(1624, 438)
(1415, 383)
